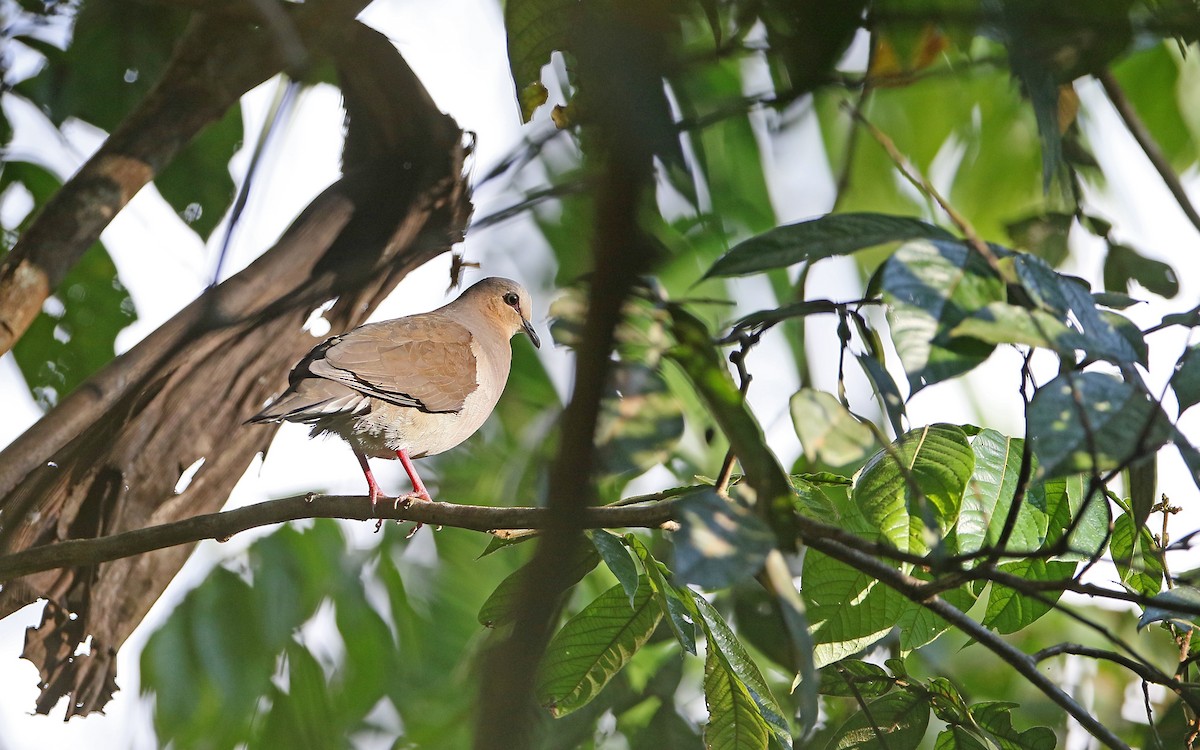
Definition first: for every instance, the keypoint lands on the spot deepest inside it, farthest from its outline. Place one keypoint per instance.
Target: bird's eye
(511, 299)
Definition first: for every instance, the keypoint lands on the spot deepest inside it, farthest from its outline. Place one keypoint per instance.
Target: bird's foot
(407, 501)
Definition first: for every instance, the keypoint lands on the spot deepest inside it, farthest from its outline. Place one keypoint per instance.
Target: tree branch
(1137, 129)
(221, 526)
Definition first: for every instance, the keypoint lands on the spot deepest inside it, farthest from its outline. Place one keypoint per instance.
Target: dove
(410, 387)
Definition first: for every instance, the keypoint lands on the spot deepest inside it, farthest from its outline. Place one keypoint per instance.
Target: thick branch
(221, 526)
(217, 61)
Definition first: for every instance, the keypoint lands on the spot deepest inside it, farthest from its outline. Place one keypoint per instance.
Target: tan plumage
(413, 386)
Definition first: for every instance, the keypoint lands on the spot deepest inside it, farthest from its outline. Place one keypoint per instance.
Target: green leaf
(1002, 323)
(1124, 265)
(896, 721)
(197, 183)
(718, 543)
(1064, 499)
(812, 240)
(734, 722)
(850, 678)
(1177, 606)
(848, 610)
(1044, 235)
(1092, 421)
(639, 423)
(930, 287)
(829, 434)
(498, 608)
(1151, 81)
(995, 718)
(989, 497)
(306, 715)
(535, 29)
(912, 491)
(616, 557)
(918, 625)
(677, 602)
(885, 390)
(118, 50)
(1008, 611)
(1135, 555)
(723, 642)
(958, 738)
(593, 646)
(1186, 380)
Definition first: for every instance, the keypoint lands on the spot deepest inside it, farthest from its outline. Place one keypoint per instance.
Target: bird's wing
(423, 361)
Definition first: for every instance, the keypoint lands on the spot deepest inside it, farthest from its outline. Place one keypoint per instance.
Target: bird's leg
(372, 486)
(419, 492)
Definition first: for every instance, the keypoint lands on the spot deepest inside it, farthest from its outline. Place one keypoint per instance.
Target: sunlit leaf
(1135, 555)
(593, 646)
(930, 287)
(990, 494)
(912, 491)
(723, 642)
(1008, 611)
(734, 722)
(828, 432)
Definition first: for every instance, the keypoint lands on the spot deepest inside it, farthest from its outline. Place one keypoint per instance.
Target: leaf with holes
(593, 646)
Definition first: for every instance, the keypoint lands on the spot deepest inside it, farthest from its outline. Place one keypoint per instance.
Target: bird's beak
(532, 334)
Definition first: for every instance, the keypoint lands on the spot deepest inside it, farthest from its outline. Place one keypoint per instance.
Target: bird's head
(506, 303)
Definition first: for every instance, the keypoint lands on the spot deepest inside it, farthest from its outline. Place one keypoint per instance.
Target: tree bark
(107, 459)
(219, 58)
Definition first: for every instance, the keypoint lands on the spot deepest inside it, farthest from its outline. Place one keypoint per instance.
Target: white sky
(457, 49)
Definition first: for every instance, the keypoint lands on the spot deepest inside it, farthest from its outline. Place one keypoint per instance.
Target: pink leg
(419, 490)
(372, 486)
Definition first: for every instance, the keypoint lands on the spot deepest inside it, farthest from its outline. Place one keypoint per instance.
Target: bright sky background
(457, 49)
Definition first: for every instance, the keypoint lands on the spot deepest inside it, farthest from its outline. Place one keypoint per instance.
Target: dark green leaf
(593, 646)
(896, 721)
(912, 492)
(535, 29)
(1124, 265)
(1008, 611)
(1186, 380)
(1177, 606)
(829, 235)
(498, 607)
(640, 422)
(306, 715)
(851, 678)
(676, 602)
(958, 738)
(930, 287)
(718, 543)
(1135, 554)
(885, 389)
(1092, 421)
(995, 718)
(197, 182)
(1044, 235)
(616, 557)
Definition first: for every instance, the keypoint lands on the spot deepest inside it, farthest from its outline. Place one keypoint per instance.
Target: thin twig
(1150, 147)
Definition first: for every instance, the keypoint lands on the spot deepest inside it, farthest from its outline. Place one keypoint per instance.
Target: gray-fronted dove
(412, 386)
